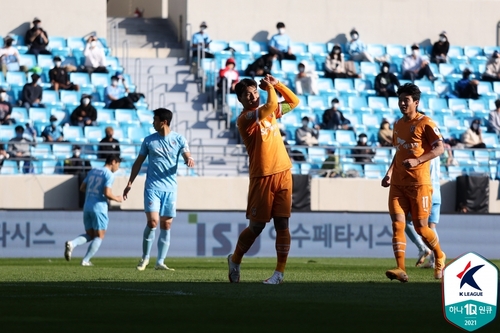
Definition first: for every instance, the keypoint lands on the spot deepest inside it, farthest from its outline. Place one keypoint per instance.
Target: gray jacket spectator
(306, 136)
(19, 149)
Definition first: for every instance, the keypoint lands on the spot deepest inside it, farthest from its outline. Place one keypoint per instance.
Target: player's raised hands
(264, 83)
(272, 80)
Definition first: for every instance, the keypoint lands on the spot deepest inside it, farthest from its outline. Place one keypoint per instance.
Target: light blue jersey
(281, 42)
(96, 181)
(436, 190)
(163, 153)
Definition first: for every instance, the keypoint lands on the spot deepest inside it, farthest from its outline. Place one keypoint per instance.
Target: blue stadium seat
(325, 86)
(344, 84)
(239, 45)
(488, 50)
(73, 134)
(455, 51)
(218, 45)
(113, 63)
(484, 88)
(82, 79)
(464, 157)
(19, 114)
(457, 104)
(106, 116)
(363, 87)
(350, 167)
(136, 134)
(443, 88)
(317, 155)
(425, 86)
(374, 171)
(326, 138)
(369, 68)
(28, 60)
(50, 97)
(289, 66)
(126, 116)
(16, 78)
(317, 102)
(7, 132)
(42, 151)
(45, 61)
(371, 121)
(483, 156)
(345, 137)
(75, 43)
(473, 51)
(447, 69)
(93, 134)
(376, 50)
(438, 104)
(490, 139)
(146, 116)
(61, 52)
(358, 103)
(317, 48)
(257, 48)
(100, 79)
(477, 105)
(395, 50)
(298, 48)
(56, 42)
(48, 167)
(36, 114)
(454, 122)
(69, 97)
(383, 155)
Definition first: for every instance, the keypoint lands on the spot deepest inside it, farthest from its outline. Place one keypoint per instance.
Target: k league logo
(470, 291)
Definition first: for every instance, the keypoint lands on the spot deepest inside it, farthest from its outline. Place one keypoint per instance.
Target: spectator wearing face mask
(53, 132)
(333, 119)
(384, 134)
(472, 138)
(114, 91)
(85, 114)
(357, 49)
(262, 66)
(95, 59)
(280, 43)
(492, 72)
(37, 38)
(415, 67)
(440, 49)
(336, 67)
(362, 153)
(31, 95)
(9, 57)
(59, 77)
(306, 81)
(19, 149)
(386, 83)
(5, 109)
(201, 40)
(75, 165)
(108, 145)
(305, 135)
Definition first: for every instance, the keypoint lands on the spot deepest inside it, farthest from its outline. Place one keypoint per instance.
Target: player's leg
(167, 214)
(398, 209)
(433, 221)
(423, 250)
(100, 226)
(152, 210)
(69, 246)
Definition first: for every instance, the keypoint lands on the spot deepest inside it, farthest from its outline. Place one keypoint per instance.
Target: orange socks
(399, 243)
(245, 241)
(430, 239)
(283, 240)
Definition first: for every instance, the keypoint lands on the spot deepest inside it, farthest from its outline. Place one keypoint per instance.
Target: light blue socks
(80, 240)
(93, 247)
(163, 245)
(147, 241)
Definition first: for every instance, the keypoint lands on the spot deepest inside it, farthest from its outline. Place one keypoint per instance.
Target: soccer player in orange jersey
(270, 190)
(417, 140)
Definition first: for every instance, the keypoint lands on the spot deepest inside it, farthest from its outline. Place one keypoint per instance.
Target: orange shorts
(416, 200)
(270, 196)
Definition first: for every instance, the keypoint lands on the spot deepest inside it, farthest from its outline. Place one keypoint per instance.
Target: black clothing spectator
(37, 39)
(386, 84)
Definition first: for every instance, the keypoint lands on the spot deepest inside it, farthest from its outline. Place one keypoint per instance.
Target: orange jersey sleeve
(412, 139)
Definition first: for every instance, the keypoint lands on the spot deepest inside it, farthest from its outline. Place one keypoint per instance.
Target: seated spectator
(85, 114)
(384, 135)
(37, 39)
(280, 44)
(305, 135)
(228, 76)
(201, 39)
(467, 88)
(19, 149)
(306, 81)
(262, 66)
(294, 154)
(108, 145)
(492, 72)
(415, 67)
(362, 153)
(331, 166)
(386, 83)
(357, 49)
(472, 138)
(9, 57)
(440, 49)
(30, 132)
(95, 59)
(114, 91)
(75, 165)
(494, 119)
(32, 93)
(5, 109)
(333, 119)
(447, 157)
(59, 77)
(336, 67)
(53, 132)
(3, 155)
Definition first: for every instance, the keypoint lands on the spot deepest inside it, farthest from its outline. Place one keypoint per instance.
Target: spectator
(333, 119)
(331, 166)
(386, 83)
(385, 134)
(306, 81)
(3, 155)
(30, 131)
(202, 39)
(492, 72)
(336, 67)
(75, 165)
(5, 109)
(228, 76)
(37, 38)
(280, 44)
(440, 49)
(494, 119)
(32, 93)
(467, 88)
(95, 59)
(357, 49)
(108, 145)
(53, 132)
(59, 77)
(19, 149)
(472, 138)
(114, 91)
(415, 67)
(262, 66)
(9, 57)
(362, 153)
(85, 114)
(305, 135)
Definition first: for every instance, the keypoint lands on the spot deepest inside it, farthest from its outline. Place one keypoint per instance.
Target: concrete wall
(126, 8)
(213, 193)
(468, 22)
(59, 17)
(177, 9)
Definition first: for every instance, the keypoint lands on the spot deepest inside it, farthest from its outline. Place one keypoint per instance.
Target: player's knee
(398, 227)
(280, 223)
(256, 228)
(152, 223)
(419, 230)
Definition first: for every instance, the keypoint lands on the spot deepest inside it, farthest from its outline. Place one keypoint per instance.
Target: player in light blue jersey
(163, 150)
(97, 187)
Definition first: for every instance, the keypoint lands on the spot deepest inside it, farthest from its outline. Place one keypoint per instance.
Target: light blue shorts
(436, 207)
(161, 202)
(96, 221)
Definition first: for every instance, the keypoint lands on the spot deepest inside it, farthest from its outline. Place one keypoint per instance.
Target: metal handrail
(114, 37)
(138, 73)
(150, 87)
(125, 54)
(189, 42)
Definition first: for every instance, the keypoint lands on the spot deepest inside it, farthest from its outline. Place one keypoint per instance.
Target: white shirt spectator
(411, 63)
(94, 55)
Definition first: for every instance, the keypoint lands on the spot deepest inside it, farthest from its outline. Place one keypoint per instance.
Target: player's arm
(109, 194)
(83, 187)
(291, 100)
(431, 134)
(188, 160)
(136, 167)
(437, 150)
(386, 181)
(272, 99)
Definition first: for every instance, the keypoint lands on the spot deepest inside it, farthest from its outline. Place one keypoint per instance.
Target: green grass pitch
(319, 295)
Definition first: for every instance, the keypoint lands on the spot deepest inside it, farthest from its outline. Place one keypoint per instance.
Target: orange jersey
(412, 139)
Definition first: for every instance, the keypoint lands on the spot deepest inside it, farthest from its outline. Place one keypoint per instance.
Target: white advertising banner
(32, 234)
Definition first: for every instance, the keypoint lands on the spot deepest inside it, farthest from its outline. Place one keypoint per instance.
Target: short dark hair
(411, 89)
(242, 86)
(111, 158)
(497, 103)
(335, 100)
(164, 115)
(280, 25)
(19, 128)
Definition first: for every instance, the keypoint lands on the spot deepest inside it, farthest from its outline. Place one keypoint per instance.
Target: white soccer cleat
(163, 267)
(68, 249)
(234, 270)
(277, 278)
(422, 255)
(87, 263)
(143, 263)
